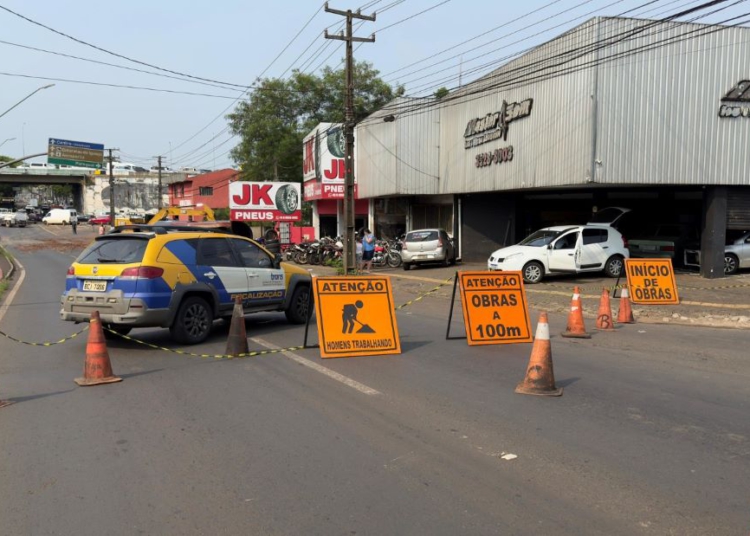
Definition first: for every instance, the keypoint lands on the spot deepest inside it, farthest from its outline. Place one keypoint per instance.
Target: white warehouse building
(651, 116)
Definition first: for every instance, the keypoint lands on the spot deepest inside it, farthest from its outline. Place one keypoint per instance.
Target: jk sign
(265, 201)
(75, 153)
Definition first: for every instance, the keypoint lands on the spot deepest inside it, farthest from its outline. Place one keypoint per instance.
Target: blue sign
(76, 144)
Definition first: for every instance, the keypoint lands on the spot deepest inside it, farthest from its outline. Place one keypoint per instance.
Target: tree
(4, 158)
(441, 92)
(272, 123)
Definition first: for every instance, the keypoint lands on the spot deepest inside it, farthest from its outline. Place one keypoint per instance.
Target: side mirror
(549, 246)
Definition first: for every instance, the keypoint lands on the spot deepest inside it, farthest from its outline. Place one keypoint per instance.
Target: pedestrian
(368, 251)
(358, 249)
(74, 224)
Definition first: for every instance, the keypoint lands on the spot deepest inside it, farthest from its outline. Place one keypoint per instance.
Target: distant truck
(15, 219)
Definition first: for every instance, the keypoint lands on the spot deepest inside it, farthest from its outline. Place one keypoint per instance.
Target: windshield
(540, 238)
(120, 251)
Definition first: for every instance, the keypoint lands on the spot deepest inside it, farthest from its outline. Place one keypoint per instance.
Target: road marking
(44, 227)
(9, 300)
(318, 368)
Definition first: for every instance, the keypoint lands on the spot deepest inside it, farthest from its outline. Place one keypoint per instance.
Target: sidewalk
(723, 302)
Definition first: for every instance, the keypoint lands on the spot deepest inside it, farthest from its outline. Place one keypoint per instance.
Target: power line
(141, 88)
(413, 16)
(89, 60)
(121, 56)
(514, 82)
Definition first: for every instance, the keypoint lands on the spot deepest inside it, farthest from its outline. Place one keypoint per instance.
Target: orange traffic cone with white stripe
(540, 377)
(97, 368)
(576, 329)
(237, 339)
(604, 320)
(625, 313)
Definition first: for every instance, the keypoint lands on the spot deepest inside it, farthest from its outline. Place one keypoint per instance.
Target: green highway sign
(75, 153)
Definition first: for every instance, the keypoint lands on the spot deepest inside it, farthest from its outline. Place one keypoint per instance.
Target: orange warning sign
(651, 281)
(495, 310)
(355, 316)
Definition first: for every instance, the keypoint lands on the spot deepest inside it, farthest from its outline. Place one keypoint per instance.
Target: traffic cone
(576, 329)
(625, 314)
(237, 340)
(604, 321)
(97, 368)
(540, 378)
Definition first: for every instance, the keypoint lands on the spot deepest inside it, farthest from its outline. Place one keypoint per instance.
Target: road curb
(8, 301)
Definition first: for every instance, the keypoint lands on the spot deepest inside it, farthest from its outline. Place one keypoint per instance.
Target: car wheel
(121, 330)
(407, 266)
(533, 272)
(298, 310)
(287, 199)
(614, 266)
(193, 322)
(731, 264)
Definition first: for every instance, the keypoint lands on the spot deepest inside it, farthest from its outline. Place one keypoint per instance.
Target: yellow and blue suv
(180, 277)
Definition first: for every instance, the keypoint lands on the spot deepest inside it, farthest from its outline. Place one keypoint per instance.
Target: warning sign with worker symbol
(355, 316)
(494, 305)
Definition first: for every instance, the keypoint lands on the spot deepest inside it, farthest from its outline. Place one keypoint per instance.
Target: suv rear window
(114, 251)
(421, 236)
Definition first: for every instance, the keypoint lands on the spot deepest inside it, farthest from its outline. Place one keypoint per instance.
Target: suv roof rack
(162, 228)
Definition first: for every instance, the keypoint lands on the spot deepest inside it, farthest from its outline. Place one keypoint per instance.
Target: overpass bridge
(34, 177)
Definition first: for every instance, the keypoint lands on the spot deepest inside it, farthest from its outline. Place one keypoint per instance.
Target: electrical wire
(517, 81)
(115, 54)
(89, 60)
(142, 88)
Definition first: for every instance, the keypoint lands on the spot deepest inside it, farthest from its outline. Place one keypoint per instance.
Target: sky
(422, 44)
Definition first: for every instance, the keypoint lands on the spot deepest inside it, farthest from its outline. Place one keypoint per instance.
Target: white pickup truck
(15, 219)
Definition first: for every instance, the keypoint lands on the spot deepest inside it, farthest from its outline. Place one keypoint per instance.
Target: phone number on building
(498, 156)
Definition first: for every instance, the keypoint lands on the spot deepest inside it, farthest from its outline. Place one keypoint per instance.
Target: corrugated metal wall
(399, 157)
(654, 120)
(658, 117)
(551, 147)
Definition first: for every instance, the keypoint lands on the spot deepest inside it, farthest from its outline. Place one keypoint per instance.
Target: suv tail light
(403, 247)
(143, 272)
(440, 242)
(624, 242)
(667, 248)
(71, 271)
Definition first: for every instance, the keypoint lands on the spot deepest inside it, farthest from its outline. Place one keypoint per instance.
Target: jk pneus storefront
(651, 117)
(324, 171)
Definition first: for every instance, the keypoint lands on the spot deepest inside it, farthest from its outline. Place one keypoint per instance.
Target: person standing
(74, 223)
(368, 250)
(358, 250)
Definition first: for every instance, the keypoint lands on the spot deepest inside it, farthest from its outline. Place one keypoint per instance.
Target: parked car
(736, 252)
(561, 249)
(665, 240)
(100, 220)
(15, 219)
(83, 218)
(427, 246)
(182, 278)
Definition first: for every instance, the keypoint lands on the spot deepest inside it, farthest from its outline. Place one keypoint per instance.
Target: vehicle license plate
(95, 286)
(648, 248)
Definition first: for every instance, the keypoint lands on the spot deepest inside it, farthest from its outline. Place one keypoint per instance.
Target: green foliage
(221, 214)
(4, 158)
(441, 92)
(279, 113)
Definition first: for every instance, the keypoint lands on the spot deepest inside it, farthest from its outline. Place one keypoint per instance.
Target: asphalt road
(651, 435)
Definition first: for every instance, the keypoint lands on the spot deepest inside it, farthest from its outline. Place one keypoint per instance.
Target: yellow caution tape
(214, 356)
(441, 285)
(46, 343)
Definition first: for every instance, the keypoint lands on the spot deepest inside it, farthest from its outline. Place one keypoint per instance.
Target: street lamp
(9, 139)
(26, 97)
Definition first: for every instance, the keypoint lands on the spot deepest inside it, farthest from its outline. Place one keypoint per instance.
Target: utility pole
(158, 195)
(112, 187)
(350, 262)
